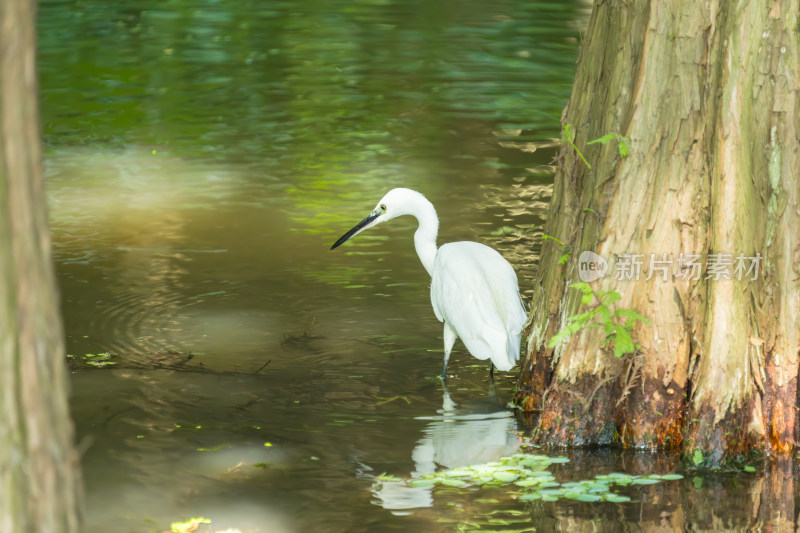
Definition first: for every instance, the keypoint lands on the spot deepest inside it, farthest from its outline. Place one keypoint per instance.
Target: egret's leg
(448, 405)
(491, 393)
(449, 341)
(491, 369)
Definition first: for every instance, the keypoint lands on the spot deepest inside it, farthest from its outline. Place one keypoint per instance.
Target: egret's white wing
(475, 291)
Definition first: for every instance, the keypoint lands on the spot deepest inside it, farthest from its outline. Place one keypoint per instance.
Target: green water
(202, 157)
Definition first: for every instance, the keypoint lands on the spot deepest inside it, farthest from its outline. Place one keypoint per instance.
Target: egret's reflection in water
(477, 432)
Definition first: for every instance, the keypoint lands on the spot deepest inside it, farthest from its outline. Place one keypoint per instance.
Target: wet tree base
(534, 378)
(575, 416)
(727, 442)
(648, 415)
(651, 415)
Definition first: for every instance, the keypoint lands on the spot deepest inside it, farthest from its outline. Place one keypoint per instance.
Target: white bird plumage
(474, 290)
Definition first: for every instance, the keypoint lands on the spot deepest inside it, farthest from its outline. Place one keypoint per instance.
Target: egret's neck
(425, 236)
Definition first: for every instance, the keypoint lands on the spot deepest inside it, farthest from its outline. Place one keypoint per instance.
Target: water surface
(201, 158)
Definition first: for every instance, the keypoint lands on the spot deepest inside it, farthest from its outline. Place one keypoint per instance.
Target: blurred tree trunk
(707, 93)
(39, 479)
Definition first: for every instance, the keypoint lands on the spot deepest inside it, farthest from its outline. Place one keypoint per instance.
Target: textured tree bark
(39, 479)
(708, 94)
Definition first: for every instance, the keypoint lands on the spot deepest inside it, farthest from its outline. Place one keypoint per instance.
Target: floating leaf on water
(528, 482)
(616, 498)
(514, 468)
(670, 477)
(616, 477)
(534, 463)
(551, 492)
(538, 473)
(583, 496)
(533, 457)
(456, 473)
(645, 481)
(548, 484)
(422, 482)
(505, 477)
(549, 498)
(530, 497)
(557, 460)
(453, 483)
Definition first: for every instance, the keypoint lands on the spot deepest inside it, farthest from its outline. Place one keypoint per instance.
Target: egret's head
(394, 204)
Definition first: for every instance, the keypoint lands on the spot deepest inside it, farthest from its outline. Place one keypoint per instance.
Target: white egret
(474, 290)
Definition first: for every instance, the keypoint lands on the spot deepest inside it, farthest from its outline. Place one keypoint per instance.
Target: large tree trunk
(707, 92)
(39, 485)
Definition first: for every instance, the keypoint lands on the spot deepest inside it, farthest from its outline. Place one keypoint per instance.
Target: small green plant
(566, 250)
(622, 147)
(617, 323)
(697, 457)
(567, 138)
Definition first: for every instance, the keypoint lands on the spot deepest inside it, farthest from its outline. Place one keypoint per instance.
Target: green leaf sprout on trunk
(617, 323)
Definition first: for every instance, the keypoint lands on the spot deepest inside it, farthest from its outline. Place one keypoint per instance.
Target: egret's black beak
(358, 228)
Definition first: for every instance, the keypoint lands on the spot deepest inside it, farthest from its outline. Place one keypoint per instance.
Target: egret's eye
(383, 207)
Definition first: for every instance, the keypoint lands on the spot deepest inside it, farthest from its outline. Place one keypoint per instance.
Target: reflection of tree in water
(703, 501)
(455, 437)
